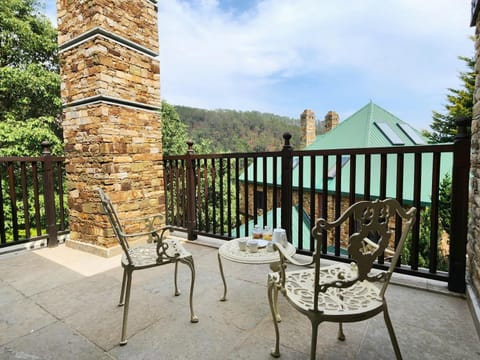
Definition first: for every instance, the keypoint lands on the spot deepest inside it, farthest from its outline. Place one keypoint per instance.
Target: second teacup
(252, 246)
(242, 244)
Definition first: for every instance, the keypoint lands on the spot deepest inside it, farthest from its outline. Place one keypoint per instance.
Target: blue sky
(284, 56)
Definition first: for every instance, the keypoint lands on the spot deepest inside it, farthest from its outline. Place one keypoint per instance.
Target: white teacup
(252, 246)
(270, 246)
(280, 236)
(242, 244)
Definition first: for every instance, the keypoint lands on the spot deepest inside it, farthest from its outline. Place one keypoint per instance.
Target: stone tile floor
(60, 303)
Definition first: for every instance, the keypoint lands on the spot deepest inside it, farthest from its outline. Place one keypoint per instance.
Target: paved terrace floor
(60, 303)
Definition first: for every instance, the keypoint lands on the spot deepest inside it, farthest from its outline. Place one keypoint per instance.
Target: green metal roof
(371, 126)
(362, 129)
(446, 161)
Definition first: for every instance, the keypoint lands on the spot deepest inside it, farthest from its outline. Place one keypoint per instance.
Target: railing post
(286, 194)
(191, 202)
(459, 205)
(49, 195)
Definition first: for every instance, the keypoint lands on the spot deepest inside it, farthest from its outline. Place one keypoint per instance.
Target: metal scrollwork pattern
(359, 297)
(147, 254)
(373, 219)
(345, 292)
(168, 250)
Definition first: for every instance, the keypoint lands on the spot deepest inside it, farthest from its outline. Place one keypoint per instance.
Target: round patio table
(230, 251)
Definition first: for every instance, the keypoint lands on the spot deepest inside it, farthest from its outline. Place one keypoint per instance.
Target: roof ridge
(369, 121)
(391, 114)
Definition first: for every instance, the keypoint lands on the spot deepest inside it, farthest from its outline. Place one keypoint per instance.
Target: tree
(174, 132)
(26, 35)
(445, 203)
(444, 218)
(254, 131)
(30, 103)
(460, 103)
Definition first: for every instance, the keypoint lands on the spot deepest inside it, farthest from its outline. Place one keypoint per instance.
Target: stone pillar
(331, 120)
(473, 238)
(307, 125)
(112, 128)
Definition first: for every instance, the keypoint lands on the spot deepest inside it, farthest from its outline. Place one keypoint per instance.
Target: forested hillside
(238, 131)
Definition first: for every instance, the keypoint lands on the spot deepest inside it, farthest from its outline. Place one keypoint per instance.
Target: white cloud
(213, 58)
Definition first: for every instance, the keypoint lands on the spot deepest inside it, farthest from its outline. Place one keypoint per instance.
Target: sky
(285, 56)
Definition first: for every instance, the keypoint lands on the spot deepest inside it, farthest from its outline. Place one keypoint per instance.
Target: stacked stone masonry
(113, 144)
(307, 124)
(473, 241)
(116, 148)
(104, 67)
(132, 20)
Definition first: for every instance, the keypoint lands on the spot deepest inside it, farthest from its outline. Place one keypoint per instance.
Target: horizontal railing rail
(32, 199)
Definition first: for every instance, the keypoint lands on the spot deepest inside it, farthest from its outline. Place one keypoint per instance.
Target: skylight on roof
(295, 162)
(411, 133)
(332, 172)
(389, 133)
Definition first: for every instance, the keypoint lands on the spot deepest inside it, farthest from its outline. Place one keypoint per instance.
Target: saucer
(262, 243)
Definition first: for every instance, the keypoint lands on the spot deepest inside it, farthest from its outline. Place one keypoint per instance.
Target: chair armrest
(285, 257)
(369, 245)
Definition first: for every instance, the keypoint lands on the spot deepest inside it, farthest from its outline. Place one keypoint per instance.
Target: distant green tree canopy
(30, 103)
(175, 134)
(238, 131)
(460, 103)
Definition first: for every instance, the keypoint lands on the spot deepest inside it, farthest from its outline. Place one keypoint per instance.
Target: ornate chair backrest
(372, 220)
(117, 226)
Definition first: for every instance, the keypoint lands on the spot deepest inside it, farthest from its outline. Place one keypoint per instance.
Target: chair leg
(177, 292)
(224, 297)
(122, 291)
(341, 335)
(313, 347)
(128, 274)
(189, 262)
(391, 332)
(275, 302)
(275, 352)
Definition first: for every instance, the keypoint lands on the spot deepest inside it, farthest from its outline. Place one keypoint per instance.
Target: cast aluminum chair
(343, 292)
(157, 252)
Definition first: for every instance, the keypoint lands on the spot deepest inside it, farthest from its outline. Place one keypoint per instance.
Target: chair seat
(146, 255)
(362, 297)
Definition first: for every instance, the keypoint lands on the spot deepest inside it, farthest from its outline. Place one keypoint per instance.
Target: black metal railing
(223, 195)
(32, 199)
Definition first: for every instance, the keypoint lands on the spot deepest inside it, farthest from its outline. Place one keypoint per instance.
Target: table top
(231, 251)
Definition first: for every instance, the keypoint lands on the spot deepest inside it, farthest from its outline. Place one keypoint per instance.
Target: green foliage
(24, 138)
(460, 103)
(30, 108)
(26, 35)
(174, 131)
(445, 216)
(238, 131)
(215, 201)
(30, 103)
(445, 203)
(29, 92)
(424, 240)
